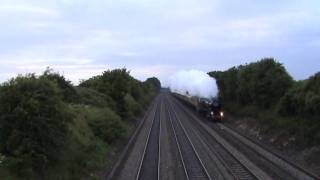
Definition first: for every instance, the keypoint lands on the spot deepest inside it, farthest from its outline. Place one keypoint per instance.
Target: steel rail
(264, 152)
(147, 143)
(277, 160)
(262, 175)
(159, 141)
(178, 145)
(189, 140)
(219, 157)
(115, 170)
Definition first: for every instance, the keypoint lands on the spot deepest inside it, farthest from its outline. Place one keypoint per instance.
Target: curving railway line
(172, 142)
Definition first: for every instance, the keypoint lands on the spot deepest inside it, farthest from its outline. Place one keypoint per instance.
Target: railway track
(293, 169)
(267, 160)
(228, 160)
(193, 166)
(118, 167)
(174, 143)
(149, 167)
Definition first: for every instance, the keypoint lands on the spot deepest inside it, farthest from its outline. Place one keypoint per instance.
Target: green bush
(153, 84)
(133, 108)
(2, 158)
(227, 83)
(105, 124)
(94, 98)
(260, 83)
(265, 91)
(33, 123)
(85, 151)
(303, 99)
(68, 91)
(20, 166)
(50, 129)
(121, 87)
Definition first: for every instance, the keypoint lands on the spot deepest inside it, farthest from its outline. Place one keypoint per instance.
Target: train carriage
(209, 108)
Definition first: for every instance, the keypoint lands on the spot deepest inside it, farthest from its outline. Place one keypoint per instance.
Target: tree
(33, 123)
(105, 124)
(260, 83)
(113, 83)
(153, 84)
(303, 99)
(227, 83)
(68, 91)
(121, 87)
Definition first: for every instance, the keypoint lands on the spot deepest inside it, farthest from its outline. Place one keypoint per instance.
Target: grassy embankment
(50, 129)
(265, 96)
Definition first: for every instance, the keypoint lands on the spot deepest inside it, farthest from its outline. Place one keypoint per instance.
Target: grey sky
(82, 38)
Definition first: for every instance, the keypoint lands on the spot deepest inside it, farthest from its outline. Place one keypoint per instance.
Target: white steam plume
(195, 82)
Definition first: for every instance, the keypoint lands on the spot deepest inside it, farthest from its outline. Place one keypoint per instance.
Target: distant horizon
(163, 81)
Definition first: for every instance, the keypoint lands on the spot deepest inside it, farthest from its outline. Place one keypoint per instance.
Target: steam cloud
(195, 82)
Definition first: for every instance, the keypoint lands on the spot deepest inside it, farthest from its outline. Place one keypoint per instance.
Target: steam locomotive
(209, 108)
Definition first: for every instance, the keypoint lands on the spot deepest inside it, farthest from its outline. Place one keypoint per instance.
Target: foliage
(261, 83)
(91, 97)
(68, 91)
(264, 90)
(105, 124)
(86, 150)
(114, 83)
(41, 117)
(153, 83)
(132, 106)
(227, 83)
(33, 123)
(303, 99)
(2, 158)
(120, 86)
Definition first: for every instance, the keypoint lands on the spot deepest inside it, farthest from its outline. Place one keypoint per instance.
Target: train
(209, 108)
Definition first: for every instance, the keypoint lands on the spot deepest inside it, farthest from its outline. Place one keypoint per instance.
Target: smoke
(195, 82)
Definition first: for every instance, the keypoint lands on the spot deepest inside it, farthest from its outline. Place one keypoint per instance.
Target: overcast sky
(82, 38)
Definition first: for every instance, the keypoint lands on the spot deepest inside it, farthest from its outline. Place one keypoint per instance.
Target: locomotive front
(211, 108)
(216, 113)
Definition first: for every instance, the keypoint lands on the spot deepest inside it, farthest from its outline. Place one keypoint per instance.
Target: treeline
(128, 94)
(50, 129)
(266, 91)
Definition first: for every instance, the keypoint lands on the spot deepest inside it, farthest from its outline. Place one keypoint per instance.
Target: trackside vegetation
(51, 129)
(265, 91)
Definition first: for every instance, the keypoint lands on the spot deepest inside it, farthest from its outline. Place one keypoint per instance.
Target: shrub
(94, 98)
(20, 166)
(132, 107)
(68, 91)
(303, 99)
(105, 124)
(260, 83)
(33, 123)
(265, 91)
(41, 117)
(153, 84)
(85, 152)
(121, 87)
